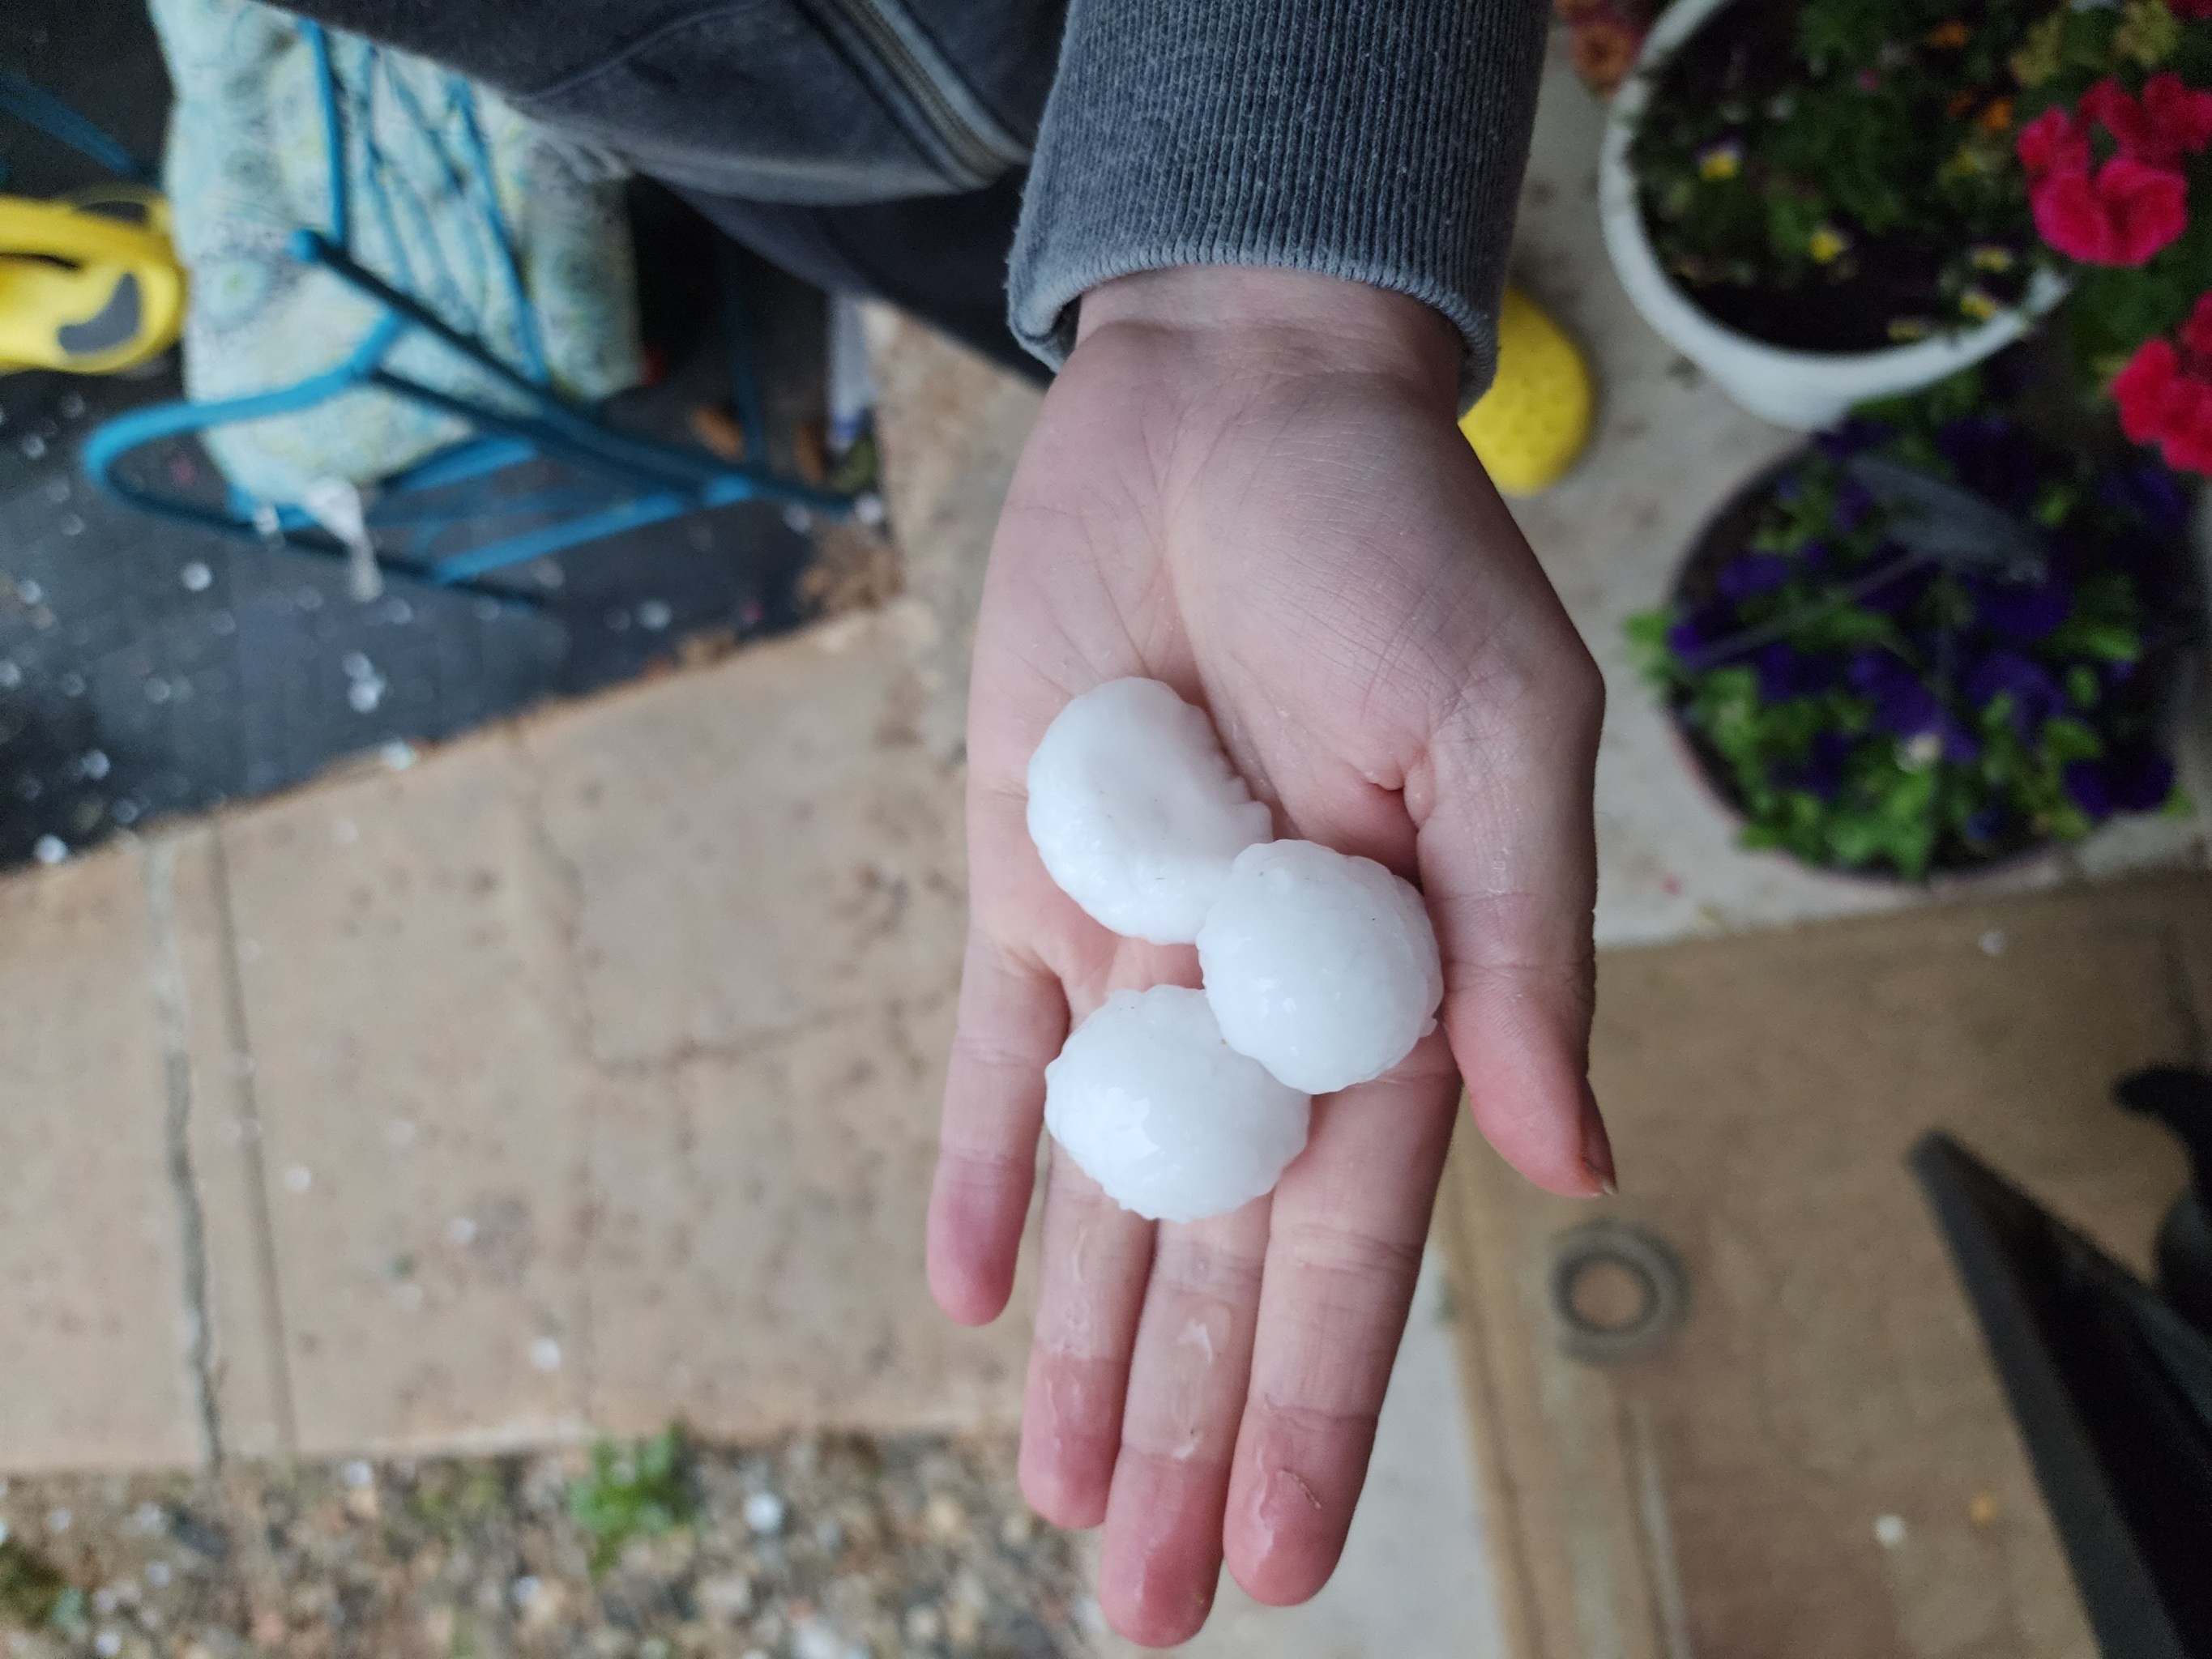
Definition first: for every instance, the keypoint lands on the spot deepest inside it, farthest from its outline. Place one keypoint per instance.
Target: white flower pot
(1806, 390)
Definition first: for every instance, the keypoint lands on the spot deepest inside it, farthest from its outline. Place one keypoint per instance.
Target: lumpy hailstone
(1320, 965)
(1158, 1110)
(1136, 811)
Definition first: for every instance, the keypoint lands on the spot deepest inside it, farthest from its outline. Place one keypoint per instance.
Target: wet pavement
(149, 669)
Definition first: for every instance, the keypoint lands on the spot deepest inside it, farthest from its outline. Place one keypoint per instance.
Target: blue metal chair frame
(630, 481)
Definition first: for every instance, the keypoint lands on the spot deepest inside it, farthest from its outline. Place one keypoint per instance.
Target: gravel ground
(811, 1548)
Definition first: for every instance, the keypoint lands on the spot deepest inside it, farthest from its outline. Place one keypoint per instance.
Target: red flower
(2054, 142)
(2173, 121)
(2165, 393)
(2190, 450)
(2121, 215)
(2196, 11)
(2140, 390)
(2196, 333)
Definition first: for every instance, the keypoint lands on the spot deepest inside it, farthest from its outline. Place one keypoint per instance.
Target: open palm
(1248, 484)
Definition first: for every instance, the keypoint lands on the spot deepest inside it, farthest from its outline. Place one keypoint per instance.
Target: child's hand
(1247, 483)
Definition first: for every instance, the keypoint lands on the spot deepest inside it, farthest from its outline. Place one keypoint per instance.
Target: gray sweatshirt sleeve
(1377, 140)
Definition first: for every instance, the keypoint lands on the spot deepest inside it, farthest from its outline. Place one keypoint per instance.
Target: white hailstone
(1158, 1110)
(1136, 811)
(1320, 965)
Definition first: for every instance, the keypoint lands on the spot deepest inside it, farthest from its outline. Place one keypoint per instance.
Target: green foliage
(2070, 43)
(2114, 309)
(2148, 34)
(2105, 625)
(32, 1589)
(632, 1491)
(453, 1499)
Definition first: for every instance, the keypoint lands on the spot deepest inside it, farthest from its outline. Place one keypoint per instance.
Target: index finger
(1012, 1019)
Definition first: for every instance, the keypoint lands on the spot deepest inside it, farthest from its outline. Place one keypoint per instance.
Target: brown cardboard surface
(1819, 1462)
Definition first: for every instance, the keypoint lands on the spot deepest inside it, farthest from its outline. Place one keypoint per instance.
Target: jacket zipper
(971, 147)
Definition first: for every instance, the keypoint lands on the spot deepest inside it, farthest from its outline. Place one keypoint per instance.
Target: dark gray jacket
(1379, 140)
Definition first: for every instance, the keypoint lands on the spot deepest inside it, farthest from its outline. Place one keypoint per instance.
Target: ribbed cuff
(1381, 141)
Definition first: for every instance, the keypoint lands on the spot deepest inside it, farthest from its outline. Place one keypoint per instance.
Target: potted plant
(1822, 202)
(1931, 641)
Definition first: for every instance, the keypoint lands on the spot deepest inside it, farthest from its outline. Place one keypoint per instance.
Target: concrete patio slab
(96, 1370)
(758, 849)
(756, 1261)
(766, 870)
(417, 1064)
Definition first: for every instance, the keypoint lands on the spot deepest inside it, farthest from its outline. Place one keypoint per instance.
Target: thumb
(1508, 862)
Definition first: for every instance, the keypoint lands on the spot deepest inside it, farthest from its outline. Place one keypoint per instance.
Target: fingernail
(1597, 1146)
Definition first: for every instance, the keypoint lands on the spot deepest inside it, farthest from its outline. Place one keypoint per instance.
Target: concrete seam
(256, 1182)
(173, 1026)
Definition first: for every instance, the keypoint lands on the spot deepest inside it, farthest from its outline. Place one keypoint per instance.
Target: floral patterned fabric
(248, 164)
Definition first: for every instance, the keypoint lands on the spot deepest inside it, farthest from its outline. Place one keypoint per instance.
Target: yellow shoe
(1534, 421)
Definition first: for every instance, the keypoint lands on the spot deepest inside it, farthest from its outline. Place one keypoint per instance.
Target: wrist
(1247, 318)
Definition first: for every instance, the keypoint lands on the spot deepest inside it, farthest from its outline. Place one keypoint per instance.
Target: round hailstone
(1158, 1110)
(1321, 966)
(1136, 811)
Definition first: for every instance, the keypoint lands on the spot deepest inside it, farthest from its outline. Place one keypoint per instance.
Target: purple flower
(1982, 826)
(1854, 501)
(1960, 746)
(2085, 781)
(1991, 457)
(1697, 630)
(1873, 672)
(1785, 672)
(1750, 574)
(2135, 778)
(2035, 696)
(2140, 778)
(1852, 437)
(1821, 771)
(2021, 612)
(2150, 491)
(1904, 705)
(2085, 785)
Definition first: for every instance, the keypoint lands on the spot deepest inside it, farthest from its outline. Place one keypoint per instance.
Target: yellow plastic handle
(64, 267)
